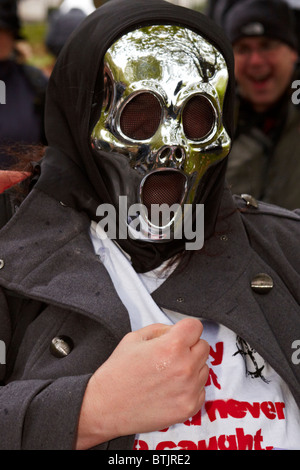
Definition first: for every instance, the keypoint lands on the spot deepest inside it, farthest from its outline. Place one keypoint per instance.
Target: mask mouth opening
(166, 187)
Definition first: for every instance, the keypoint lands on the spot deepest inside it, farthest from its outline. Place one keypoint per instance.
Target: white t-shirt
(247, 407)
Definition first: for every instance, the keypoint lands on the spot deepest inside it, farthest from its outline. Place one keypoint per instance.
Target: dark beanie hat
(9, 18)
(61, 25)
(271, 18)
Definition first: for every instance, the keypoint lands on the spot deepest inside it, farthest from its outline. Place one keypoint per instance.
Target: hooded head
(140, 107)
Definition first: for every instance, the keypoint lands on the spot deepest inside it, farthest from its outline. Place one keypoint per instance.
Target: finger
(201, 399)
(189, 330)
(153, 331)
(201, 349)
(203, 376)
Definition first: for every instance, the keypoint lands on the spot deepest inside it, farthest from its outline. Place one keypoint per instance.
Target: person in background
(216, 9)
(22, 109)
(61, 25)
(265, 156)
(295, 6)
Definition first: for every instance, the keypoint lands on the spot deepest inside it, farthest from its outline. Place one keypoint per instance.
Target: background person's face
(263, 69)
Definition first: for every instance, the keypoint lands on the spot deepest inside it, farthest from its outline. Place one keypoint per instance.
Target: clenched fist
(153, 379)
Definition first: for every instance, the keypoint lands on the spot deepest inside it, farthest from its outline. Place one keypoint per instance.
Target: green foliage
(198, 7)
(35, 34)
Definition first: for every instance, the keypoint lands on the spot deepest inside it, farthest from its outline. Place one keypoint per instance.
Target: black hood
(71, 171)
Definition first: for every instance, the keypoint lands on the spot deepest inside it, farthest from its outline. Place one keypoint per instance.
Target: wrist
(94, 427)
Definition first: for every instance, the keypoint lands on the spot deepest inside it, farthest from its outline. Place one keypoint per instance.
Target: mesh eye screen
(140, 118)
(197, 118)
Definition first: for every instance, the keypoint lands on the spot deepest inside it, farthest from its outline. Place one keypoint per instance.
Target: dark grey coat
(48, 258)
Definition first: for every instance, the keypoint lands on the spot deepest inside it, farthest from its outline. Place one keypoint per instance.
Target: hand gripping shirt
(247, 406)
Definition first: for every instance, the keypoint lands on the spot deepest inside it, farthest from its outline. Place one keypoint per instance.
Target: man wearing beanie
(265, 158)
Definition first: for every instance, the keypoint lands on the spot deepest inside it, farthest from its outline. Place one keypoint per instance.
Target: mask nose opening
(170, 156)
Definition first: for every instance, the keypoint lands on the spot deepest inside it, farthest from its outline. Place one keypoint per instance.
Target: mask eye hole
(141, 116)
(198, 117)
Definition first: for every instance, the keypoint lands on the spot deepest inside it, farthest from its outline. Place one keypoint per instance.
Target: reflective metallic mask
(162, 110)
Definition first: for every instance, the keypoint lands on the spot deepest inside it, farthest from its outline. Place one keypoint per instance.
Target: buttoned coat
(53, 285)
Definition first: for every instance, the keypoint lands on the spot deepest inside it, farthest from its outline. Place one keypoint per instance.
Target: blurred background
(36, 17)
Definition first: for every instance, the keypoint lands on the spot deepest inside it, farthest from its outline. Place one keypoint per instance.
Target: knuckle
(205, 346)
(175, 347)
(187, 372)
(186, 369)
(191, 407)
(128, 337)
(204, 373)
(203, 349)
(202, 397)
(190, 401)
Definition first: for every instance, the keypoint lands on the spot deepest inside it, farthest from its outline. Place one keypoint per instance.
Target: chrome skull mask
(162, 110)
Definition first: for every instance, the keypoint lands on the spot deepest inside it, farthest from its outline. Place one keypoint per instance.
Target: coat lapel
(48, 256)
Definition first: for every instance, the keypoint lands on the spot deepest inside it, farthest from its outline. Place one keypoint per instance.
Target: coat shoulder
(249, 207)
(271, 229)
